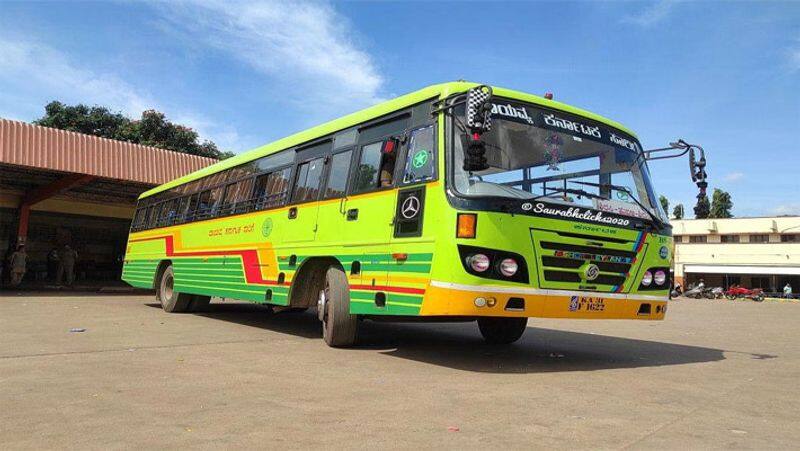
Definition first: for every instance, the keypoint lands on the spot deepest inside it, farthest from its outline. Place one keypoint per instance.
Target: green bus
(458, 201)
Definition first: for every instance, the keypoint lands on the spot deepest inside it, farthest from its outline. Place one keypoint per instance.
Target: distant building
(59, 187)
(752, 252)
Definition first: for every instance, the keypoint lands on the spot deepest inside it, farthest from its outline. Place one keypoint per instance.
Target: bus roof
(441, 91)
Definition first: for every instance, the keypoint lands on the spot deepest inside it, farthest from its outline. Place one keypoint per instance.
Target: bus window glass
(392, 127)
(271, 162)
(345, 138)
(421, 157)
(215, 201)
(270, 189)
(337, 180)
(227, 201)
(204, 205)
(241, 199)
(138, 218)
(167, 213)
(368, 166)
(180, 210)
(191, 209)
(308, 178)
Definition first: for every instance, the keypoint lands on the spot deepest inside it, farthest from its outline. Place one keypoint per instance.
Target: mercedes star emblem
(410, 207)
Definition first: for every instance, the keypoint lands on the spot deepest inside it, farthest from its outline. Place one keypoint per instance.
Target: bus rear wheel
(339, 326)
(501, 331)
(171, 301)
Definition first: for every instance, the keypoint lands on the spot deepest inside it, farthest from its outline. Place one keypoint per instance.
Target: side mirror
(479, 109)
(697, 168)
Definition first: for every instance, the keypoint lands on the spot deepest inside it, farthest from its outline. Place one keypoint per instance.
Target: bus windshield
(559, 158)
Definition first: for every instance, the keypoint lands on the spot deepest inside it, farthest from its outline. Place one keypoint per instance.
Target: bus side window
(191, 209)
(215, 201)
(337, 175)
(368, 168)
(228, 199)
(307, 182)
(421, 157)
(242, 196)
(204, 205)
(270, 189)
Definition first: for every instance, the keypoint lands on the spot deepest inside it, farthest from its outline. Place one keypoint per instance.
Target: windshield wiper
(626, 190)
(577, 192)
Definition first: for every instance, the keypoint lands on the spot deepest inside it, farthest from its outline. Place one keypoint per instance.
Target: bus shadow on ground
(460, 346)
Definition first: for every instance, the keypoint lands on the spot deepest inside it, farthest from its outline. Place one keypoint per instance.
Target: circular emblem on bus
(410, 207)
(266, 228)
(591, 272)
(663, 252)
(527, 206)
(419, 159)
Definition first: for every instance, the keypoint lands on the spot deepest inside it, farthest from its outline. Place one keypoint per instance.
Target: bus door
(302, 213)
(365, 215)
(411, 250)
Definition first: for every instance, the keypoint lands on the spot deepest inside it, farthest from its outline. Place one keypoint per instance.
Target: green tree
(702, 208)
(677, 212)
(152, 129)
(721, 204)
(664, 203)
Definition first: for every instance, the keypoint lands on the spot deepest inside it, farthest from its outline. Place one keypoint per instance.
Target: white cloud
(33, 74)
(733, 177)
(652, 14)
(36, 69)
(305, 49)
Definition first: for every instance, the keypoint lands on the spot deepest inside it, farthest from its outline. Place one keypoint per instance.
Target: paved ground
(716, 374)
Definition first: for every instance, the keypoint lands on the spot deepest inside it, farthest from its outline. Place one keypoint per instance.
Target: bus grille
(564, 257)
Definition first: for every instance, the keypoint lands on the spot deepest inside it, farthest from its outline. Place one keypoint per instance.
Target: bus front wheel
(171, 301)
(501, 331)
(339, 326)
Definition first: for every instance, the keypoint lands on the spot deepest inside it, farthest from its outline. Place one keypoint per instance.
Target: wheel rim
(167, 287)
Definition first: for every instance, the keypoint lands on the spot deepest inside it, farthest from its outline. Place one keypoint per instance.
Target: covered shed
(59, 187)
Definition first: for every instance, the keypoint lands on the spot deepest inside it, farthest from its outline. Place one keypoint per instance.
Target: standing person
(18, 263)
(52, 264)
(66, 265)
(787, 291)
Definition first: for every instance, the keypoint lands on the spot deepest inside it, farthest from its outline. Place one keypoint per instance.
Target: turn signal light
(467, 223)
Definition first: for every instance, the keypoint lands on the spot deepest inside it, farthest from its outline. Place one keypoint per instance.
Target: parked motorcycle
(737, 292)
(676, 292)
(698, 292)
(718, 292)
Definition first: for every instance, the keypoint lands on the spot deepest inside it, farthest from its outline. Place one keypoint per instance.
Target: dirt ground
(715, 374)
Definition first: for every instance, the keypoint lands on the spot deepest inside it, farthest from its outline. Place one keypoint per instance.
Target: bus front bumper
(449, 299)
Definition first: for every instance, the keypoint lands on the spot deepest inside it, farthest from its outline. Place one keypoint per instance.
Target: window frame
(329, 167)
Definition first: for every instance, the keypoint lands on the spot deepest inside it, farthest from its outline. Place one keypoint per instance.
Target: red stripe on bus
(251, 264)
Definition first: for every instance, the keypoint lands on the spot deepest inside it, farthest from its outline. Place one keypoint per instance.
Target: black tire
(709, 295)
(171, 301)
(501, 331)
(339, 326)
(759, 298)
(199, 303)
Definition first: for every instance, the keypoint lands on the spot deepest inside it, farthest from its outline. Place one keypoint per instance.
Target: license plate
(586, 304)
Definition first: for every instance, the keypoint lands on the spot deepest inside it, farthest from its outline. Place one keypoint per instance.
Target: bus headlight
(660, 277)
(647, 279)
(508, 267)
(478, 262)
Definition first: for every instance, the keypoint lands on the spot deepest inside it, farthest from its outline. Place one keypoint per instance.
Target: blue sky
(724, 75)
